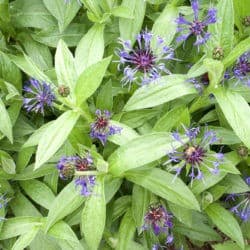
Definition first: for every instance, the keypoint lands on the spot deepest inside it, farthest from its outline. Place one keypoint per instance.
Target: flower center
(155, 214)
(144, 59)
(194, 154)
(197, 27)
(82, 164)
(101, 123)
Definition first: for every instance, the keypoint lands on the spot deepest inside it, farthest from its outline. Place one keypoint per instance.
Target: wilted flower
(197, 27)
(66, 167)
(242, 209)
(73, 166)
(241, 70)
(195, 155)
(141, 64)
(102, 128)
(37, 96)
(242, 151)
(159, 221)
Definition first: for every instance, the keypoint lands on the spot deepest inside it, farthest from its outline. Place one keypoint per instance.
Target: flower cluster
(101, 129)
(73, 166)
(195, 155)
(196, 28)
(142, 64)
(159, 220)
(242, 209)
(37, 96)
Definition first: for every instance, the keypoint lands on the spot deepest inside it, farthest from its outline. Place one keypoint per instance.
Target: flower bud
(218, 53)
(63, 90)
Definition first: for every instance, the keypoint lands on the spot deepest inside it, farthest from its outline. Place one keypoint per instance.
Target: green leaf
(239, 49)
(223, 30)
(90, 80)
(62, 231)
(18, 226)
(228, 246)
(126, 231)
(94, 216)
(167, 89)
(140, 151)
(65, 66)
(66, 202)
(4, 10)
(120, 206)
(141, 198)
(54, 136)
(163, 184)
(129, 28)
(25, 239)
(90, 49)
(5, 122)
(104, 100)
(127, 134)
(39, 192)
(26, 64)
(122, 11)
(62, 11)
(226, 222)
(238, 118)
(167, 32)
(7, 163)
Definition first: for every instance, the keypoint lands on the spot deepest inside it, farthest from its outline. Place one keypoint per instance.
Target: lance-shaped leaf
(140, 151)
(163, 184)
(166, 89)
(237, 112)
(54, 136)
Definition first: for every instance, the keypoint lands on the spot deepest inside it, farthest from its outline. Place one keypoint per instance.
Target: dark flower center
(68, 171)
(205, 79)
(194, 154)
(197, 27)
(82, 164)
(101, 123)
(144, 59)
(155, 214)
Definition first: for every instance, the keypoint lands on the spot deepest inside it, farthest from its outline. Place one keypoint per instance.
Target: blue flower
(200, 82)
(141, 64)
(241, 69)
(159, 221)
(197, 27)
(74, 166)
(242, 209)
(37, 96)
(195, 155)
(101, 128)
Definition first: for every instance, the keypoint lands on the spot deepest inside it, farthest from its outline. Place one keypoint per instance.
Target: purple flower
(73, 166)
(197, 27)
(195, 155)
(242, 208)
(141, 64)
(86, 184)
(38, 96)
(102, 128)
(241, 70)
(66, 167)
(159, 221)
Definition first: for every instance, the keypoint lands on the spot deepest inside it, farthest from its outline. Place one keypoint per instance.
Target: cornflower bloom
(196, 28)
(242, 209)
(195, 155)
(142, 64)
(101, 128)
(241, 69)
(75, 166)
(37, 96)
(159, 221)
